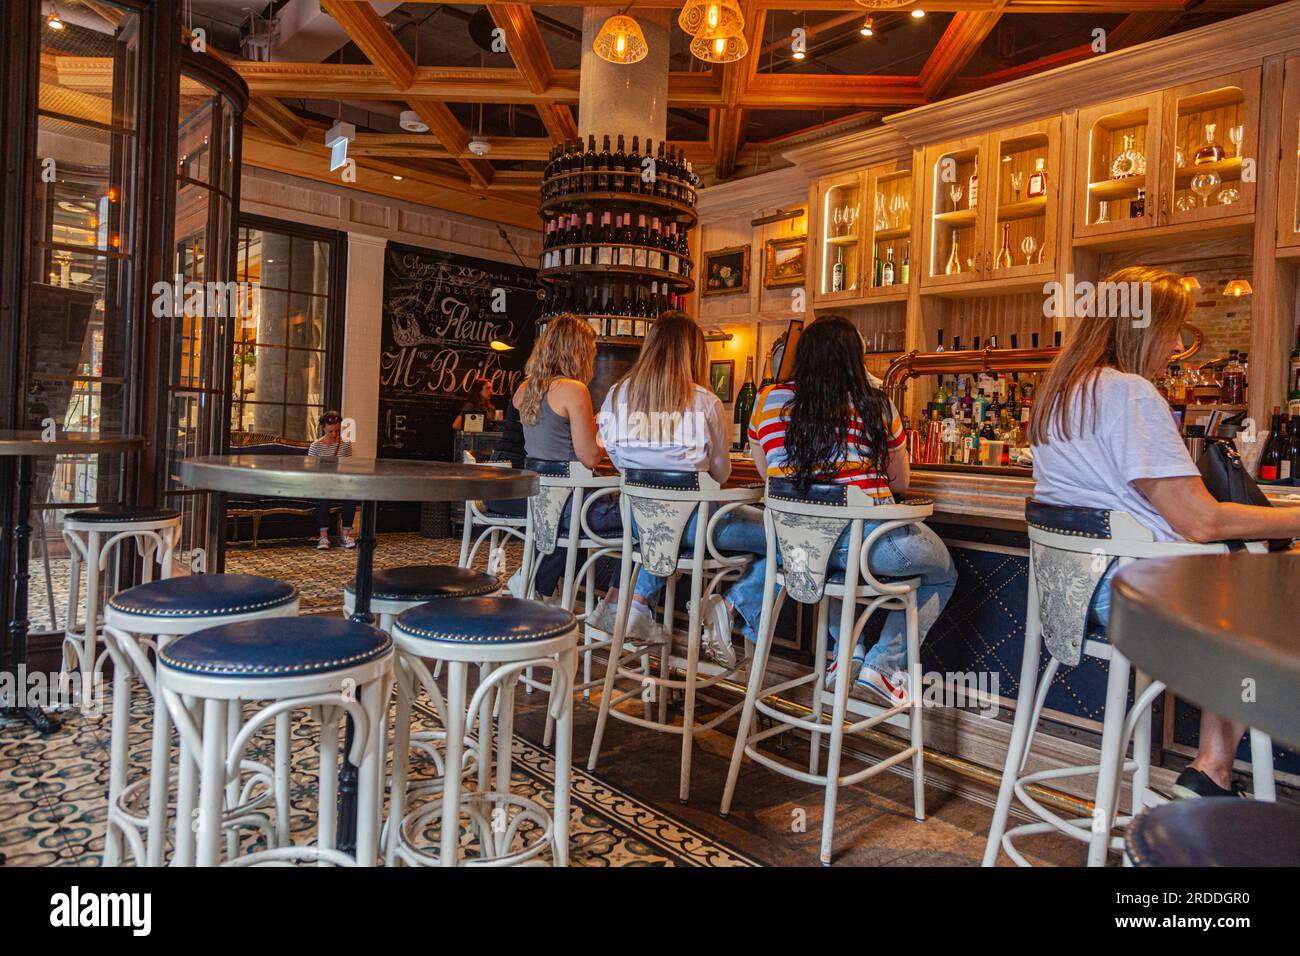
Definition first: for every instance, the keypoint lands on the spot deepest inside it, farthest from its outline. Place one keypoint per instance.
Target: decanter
(1004, 256)
(954, 260)
(1129, 162)
(1209, 151)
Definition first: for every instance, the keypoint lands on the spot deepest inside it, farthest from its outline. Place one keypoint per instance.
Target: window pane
(271, 317)
(303, 376)
(311, 266)
(307, 321)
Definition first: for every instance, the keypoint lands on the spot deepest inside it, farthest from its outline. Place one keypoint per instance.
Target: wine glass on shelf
(838, 219)
(1102, 216)
(954, 192)
(896, 206)
(881, 219)
(1203, 184)
(1017, 180)
(1236, 134)
(1027, 246)
(851, 216)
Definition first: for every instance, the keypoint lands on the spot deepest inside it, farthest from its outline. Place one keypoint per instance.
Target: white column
(361, 339)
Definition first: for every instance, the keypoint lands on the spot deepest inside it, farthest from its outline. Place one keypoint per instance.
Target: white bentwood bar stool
(332, 668)
(483, 526)
(803, 528)
(571, 484)
(140, 621)
(98, 541)
(502, 637)
(1070, 549)
(662, 504)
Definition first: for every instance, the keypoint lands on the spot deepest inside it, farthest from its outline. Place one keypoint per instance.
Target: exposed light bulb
(711, 16)
(397, 177)
(867, 29)
(720, 46)
(620, 43)
(54, 21)
(798, 54)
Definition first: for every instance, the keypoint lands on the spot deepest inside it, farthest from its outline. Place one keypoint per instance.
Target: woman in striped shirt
(831, 424)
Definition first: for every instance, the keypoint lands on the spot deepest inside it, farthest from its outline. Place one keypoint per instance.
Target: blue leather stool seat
(115, 513)
(484, 620)
(1216, 831)
(430, 582)
(276, 647)
(204, 595)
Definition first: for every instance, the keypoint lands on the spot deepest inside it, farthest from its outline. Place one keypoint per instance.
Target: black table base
(19, 518)
(346, 833)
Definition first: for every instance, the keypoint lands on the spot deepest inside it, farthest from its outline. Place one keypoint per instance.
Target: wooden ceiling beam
(276, 119)
(524, 43)
(422, 146)
(727, 124)
(786, 91)
(559, 122)
(372, 35)
(966, 32)
(937, 6)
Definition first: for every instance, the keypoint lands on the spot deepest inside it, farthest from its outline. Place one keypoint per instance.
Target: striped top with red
(767, 427)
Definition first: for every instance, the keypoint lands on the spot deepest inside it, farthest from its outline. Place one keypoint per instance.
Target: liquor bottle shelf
(1023, 209)
(958, 217)
(896, 232)
(1228, 169)
(565, 273)
(598, 202)
(615, 246)
(665, 183)
(850, 240)
(1126, 188)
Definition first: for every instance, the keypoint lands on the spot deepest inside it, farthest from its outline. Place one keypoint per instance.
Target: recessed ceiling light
(397, 177)
(798, 54)
(917, 14)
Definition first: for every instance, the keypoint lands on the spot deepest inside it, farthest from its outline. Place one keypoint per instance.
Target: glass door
(1118, 158)
(840, 208)
(205, 299)
(1213, 128)
(890, 230)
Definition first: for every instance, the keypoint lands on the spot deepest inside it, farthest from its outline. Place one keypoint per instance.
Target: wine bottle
(589, 165)
(569, 237)
(939, 341)
(1270, 463)
(641, 254)
(602, 167)
(605, 242)
(877, 267)
(905, 267)
(887, 270)
(625, 241)
(617, 168)
(661, 169)
(744, 406)
(632, 167)
(837, 271)
(588, 240)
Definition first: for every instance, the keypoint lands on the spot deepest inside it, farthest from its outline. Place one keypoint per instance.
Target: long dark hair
(830, 387)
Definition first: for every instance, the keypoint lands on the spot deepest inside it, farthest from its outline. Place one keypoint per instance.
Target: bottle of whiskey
(887, 270)
(973, 188)
(1038, 179)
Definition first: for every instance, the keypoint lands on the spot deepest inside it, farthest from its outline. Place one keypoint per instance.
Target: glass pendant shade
(1237, 288)
(621, 41)
(710, 19)
(720, 50)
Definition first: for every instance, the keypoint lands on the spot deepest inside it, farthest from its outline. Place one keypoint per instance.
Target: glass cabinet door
(890, 225)
(955, 244)
(1118, 150)
(1288, 214)
(1212, 129)
(840, 208)
(1023, 191)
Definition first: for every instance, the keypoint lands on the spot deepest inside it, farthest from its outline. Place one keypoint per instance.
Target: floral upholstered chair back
(557, 481)
(661, 504)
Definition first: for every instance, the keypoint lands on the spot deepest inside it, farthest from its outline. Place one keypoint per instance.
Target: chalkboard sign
(441, 314)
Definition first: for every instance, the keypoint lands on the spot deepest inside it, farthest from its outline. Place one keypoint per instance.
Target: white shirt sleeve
(1145, 440)
(607, 425)
(719, 439)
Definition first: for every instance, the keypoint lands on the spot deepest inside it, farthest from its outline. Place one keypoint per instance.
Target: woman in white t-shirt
(662, 415)
(1103, 437)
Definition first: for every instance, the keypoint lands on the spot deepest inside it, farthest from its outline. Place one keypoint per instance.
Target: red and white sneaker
(891, 691)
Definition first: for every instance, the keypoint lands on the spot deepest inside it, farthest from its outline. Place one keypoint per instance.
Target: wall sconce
(1190, 283)
(1237, 288)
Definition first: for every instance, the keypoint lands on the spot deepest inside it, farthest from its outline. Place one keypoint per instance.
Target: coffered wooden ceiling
(731, 119)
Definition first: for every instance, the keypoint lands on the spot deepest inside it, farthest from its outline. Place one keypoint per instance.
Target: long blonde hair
(673, 360)
(1116, 341)
(567, 349)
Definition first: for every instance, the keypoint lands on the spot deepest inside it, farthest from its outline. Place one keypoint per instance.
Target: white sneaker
(323, 544)
(715, 632)
(348, 542)
(855, 665)
(602, 617)
(876, 684)
(641, 627)
(516, 583)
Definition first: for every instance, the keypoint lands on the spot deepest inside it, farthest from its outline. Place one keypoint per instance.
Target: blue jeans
(602, 518)
(1100, 610)
(739, 530)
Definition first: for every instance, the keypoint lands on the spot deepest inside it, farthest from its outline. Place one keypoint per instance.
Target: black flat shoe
(1192, 783)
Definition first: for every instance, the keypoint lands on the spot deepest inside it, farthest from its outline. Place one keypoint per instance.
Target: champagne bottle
(744, 406)
(954, 258)
(1004, 255)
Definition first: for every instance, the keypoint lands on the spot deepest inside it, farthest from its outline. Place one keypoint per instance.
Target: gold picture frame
(726, 271)
(786, 263)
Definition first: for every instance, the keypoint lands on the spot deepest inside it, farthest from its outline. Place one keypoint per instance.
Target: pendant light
(1237, 288)
(621, 41)
(720, 50)
(711, 19)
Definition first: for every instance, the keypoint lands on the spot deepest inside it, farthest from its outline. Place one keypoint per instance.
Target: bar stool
(95, 538)
(399, 589)
(662, 504)
(497, 529)
(505, 636)
(144, 619)
(1070, 550)
(332, 667)
(803, 529)
(1215, 831)
(571, 484)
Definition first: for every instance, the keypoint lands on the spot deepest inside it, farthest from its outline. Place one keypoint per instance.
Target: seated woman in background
(555, 409)
(669, 384)
(1103, 437)
(478, 403)
(331, 445)
(830, 424)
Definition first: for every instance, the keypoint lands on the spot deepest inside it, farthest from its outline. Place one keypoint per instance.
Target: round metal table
(1212, 627)
(18, 451)
(366, 481)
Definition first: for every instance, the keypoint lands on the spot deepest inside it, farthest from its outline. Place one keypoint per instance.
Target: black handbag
(1227, 480)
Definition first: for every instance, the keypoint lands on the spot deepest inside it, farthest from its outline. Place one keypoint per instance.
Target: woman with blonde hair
(554, 408)
(1104, 438)
(662, 415)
